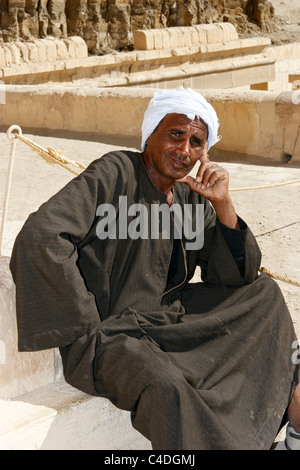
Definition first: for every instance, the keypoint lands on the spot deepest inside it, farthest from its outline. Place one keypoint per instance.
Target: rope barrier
(52, 156)
(275, 185)
(278, 277)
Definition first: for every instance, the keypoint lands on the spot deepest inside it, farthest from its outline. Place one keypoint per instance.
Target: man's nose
(185, 148)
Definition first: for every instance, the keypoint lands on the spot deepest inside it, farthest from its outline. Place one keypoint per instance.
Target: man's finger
(204, 156)
(189, 180)
(204, 166)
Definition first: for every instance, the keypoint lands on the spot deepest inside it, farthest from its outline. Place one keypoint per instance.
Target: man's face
(173, 149)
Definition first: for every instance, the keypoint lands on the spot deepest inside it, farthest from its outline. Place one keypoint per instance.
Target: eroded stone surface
(107, 25)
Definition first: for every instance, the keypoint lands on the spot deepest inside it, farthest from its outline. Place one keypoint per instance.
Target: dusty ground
(287, 13)
(287, 20)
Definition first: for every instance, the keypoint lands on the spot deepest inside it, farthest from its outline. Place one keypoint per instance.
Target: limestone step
(59, 417)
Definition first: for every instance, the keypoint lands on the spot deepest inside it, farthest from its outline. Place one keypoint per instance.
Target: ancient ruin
(111, 25)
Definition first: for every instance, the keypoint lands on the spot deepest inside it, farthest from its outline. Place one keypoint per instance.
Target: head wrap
(180, 101)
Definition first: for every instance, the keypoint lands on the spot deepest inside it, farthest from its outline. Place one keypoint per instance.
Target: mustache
(180, 157)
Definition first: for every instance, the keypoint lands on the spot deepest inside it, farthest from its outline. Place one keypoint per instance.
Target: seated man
(204, 365)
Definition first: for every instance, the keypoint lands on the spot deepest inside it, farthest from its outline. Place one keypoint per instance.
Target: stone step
(186, 36)
(59, 417)
(19, 372)
(40, 51)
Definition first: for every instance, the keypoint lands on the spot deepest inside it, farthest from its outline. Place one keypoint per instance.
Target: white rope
(12, 137)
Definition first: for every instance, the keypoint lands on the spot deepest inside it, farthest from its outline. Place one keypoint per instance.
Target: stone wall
(110, 24)
(19, 372)
(260, 123)
(40, 51)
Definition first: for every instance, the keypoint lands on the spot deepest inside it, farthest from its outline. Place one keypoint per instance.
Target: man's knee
(166, 388)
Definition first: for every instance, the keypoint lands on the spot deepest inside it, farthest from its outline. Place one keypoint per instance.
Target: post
(12, 137)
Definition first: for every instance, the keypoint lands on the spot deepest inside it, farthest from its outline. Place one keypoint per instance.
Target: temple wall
(201, 56)
(260, 123)
(107, 25)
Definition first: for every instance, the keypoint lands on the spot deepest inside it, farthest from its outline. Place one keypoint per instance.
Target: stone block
(229, 32)
(81, 49)
(23, 51)
(165, 39)
(72, 64)
(70, 48)
(275, 85)
(296, 150)
(2, 57)
(173, 38)
(15, 53)
(194, 36)
(61, 49)
(7, 54)
(158, 39)
(145, 56)
(267, 123)
(214, 34)
(201, 34)
(19, 372)
(33, 52)
(42, 50)
(143, 40)
(51, 50)
(181, 37)
(177, 37)
(58, 417)
(291, 132)
(187, 36)
(282, 66)
(254, 45)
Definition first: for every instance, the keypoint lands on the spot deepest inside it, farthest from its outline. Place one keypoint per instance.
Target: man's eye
(196, 141)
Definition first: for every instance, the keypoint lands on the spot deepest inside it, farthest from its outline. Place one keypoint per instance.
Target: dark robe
(203, 365)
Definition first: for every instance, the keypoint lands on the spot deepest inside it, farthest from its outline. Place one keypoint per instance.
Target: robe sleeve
(235, 240)
(216, 259)
(54, 306)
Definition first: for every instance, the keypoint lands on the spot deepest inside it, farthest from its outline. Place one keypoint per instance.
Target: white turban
(180, 101)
